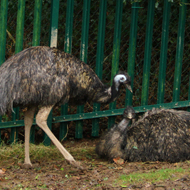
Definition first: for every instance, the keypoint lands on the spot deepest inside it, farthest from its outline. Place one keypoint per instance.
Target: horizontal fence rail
(99, 114)
(150, 42)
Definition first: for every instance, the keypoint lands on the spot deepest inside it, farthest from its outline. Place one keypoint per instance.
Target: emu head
(123, 78)
(129, 113)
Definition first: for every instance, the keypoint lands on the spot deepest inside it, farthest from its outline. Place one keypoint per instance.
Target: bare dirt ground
(54, 173)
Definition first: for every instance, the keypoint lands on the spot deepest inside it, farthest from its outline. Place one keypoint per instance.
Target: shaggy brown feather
(47, 76)
(160, 135)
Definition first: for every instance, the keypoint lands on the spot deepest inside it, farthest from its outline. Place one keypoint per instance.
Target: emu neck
(123, 124)
(114, 91)
(107, 95)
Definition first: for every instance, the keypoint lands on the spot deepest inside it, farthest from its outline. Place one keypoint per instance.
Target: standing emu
(45, 77)
(160, 135)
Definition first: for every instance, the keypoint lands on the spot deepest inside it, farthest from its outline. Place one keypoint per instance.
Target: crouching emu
(45, 77)
(159, 135)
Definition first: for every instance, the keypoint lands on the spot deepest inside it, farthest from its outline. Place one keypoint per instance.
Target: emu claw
(77, 165)
(26, 166)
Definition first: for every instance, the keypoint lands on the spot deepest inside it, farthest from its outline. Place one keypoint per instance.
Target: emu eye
(122, 79)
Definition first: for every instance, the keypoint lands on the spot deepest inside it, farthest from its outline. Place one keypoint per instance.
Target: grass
(16, 151)
(102, 173)
(41, 152)
(151, 177)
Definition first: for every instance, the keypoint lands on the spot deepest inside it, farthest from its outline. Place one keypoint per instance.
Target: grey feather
(46, 76)
(159, 135)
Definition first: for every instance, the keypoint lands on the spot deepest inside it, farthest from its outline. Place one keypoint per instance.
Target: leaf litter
(53, 172)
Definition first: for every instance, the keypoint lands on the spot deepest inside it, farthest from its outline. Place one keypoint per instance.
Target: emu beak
(130, 116)
(128, 87)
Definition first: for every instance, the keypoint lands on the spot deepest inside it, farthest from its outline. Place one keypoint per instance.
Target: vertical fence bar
(99, 58)
(36, 42)
(52, 43)
(116, 51)
(147, 54)
(18, 48)
(69, 26)
(37, 23)
(54, 23)
(20, 26)
(188, 109)
(132, 49)
(67, 49)
(83, 57)
(163, 52)
(3, 27)
(179, 50)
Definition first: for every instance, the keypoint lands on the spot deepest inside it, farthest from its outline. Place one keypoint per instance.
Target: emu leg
(28, 120)
(41, 120)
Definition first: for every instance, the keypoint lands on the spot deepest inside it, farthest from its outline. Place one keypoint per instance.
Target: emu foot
(77, 165)
(29, 165)
(26, 166)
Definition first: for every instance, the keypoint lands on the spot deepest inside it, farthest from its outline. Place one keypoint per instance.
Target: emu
(159, 135)
(42, 77)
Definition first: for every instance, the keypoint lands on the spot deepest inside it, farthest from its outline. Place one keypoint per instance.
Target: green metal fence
(149, 39)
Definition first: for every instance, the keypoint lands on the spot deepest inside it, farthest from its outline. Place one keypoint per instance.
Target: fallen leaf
(147, 185)
(56, 167)
(2, 172)
(119, 168)
(76, 177)
(118, 161)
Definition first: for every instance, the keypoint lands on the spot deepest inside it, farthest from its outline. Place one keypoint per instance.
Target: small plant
(153, 176)
(36, 177)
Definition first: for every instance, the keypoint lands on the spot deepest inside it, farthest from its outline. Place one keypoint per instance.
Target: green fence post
(83, 57)
(20, 26)
(3, 27)
(52, 43)
(99, 59)
(36, 42)
(54, 23)
(188, 109)
(179, 50)
(147, 53)
(163, 52)
(18, 48)
(68, 45)
(69, 26)
(116, 51)
(132, 49)
(37, 23)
